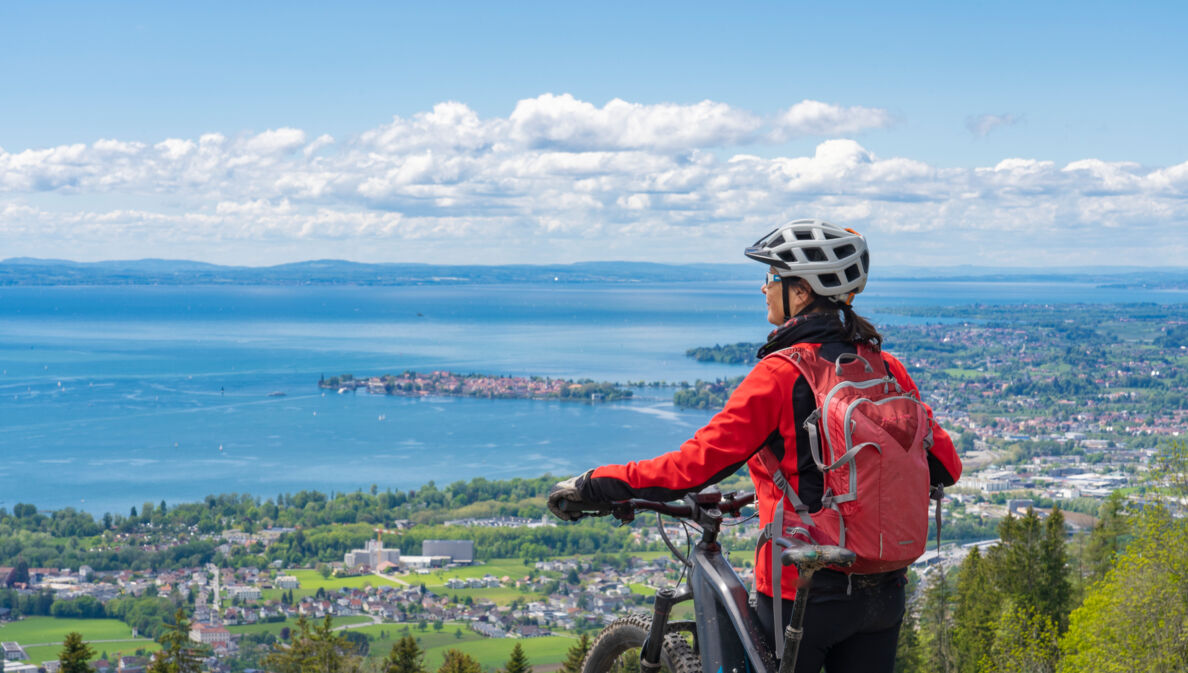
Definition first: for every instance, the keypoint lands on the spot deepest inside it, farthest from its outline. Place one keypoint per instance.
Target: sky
(1006, 133)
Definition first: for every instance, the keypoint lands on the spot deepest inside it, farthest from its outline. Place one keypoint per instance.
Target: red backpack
(870, 438)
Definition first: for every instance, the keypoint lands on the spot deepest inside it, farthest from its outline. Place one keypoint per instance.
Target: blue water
(115, 396)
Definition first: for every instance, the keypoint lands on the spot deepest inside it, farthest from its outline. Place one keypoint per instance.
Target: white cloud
(981, 125)
(594, 182)
(814, 118)
(563, 122)
(276, 141)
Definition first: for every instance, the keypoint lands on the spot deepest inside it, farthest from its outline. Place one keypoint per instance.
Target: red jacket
(759, 413)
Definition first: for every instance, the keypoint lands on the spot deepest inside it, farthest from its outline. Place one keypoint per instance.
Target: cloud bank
(563, 179)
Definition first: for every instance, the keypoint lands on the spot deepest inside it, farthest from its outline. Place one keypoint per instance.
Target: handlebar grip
(584, 508)
(802, 555)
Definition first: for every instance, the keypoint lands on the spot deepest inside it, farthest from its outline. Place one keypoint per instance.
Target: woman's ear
(803, 290)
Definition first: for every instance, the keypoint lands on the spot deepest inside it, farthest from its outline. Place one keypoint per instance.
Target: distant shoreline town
(414, 384)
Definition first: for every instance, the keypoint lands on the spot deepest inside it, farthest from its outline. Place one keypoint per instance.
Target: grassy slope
(493, 652)
(435, 581)
(113, 650)
(275, 627)
(52, 630)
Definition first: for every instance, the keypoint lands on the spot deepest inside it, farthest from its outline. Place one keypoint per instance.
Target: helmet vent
(787, 256)
(866, 261)
(852, 272)
(843, 251)
(829, 279)
(830, 236)
(802, 235)
(815, 255)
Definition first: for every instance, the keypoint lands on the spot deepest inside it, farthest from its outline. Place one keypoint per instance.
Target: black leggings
(855, 633)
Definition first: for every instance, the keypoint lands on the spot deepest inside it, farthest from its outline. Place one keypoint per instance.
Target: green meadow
(275, 627)
(33, 630)
(113, 650)
(43, 636)
(492, 653)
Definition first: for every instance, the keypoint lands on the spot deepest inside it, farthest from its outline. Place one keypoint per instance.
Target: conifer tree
(1024, 642)
(576, 655)
(517, 662)
(1136, 619)
(459, 662)
(1107, 539)
(1030, 564)
(405, 657)
(76, 655)
(936, 646)
(1055, 588)
(177, 655)
(314, 650)
(908, 657)
(975, 618)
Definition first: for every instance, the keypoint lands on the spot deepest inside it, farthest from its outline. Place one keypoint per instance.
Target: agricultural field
(37, 655)
(38, 630)
(43, 636)
(312, 580)
(513, 568)
(275, 627)
(385, 635)
(492, 653)
(498, 595)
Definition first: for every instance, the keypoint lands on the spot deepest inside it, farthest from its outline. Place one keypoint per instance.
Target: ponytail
(855, 328)
(858, 329)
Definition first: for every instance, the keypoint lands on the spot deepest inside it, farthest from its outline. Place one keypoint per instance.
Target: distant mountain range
(31, 271)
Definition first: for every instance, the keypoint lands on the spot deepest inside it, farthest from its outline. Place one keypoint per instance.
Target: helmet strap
(784, 288)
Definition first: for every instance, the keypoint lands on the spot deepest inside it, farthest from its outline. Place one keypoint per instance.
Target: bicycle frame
(728, 637)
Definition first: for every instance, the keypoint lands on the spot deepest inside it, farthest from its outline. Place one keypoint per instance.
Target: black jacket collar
(815, 328)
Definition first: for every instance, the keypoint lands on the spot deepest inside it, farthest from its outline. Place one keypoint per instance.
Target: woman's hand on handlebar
(565, 500)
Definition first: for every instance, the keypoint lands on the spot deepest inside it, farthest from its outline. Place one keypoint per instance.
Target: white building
(373, 556)
(210, 635)
(13, 651)
(244, 593)
(287, 582)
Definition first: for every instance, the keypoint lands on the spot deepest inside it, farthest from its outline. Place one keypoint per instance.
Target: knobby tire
(617, 648)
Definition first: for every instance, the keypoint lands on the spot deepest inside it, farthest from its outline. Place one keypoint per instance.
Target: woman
(814, 271)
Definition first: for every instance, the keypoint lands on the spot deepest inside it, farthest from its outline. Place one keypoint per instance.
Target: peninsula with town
(414, 384)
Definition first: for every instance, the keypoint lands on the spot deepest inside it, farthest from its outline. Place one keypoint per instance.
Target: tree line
(1112, 600)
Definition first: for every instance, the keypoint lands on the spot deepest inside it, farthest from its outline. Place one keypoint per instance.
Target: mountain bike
(725, 632)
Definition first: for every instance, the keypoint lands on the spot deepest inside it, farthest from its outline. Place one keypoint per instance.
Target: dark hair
(854, 328)
(858, 329)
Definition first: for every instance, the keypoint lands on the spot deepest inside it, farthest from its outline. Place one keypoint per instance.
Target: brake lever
(623, 511)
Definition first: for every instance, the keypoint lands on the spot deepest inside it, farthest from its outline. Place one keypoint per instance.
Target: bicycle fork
(649, 656)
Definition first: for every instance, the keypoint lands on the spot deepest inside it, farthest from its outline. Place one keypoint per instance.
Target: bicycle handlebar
(729, 504)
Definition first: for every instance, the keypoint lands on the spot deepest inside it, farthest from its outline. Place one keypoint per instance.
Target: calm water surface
(114, 396)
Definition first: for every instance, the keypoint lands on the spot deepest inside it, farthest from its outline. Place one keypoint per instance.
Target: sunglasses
(773, 277)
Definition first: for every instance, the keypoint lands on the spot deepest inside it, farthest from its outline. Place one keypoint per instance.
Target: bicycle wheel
(617, 647)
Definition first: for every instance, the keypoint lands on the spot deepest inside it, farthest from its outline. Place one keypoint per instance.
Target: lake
(115, 396)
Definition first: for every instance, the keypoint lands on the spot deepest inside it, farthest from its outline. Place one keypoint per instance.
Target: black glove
(565, 492)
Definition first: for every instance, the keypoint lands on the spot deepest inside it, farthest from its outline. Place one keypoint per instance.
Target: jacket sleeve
(716, 451)
(944, 466)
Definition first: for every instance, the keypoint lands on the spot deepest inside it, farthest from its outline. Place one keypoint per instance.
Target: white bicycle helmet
(834, 261)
